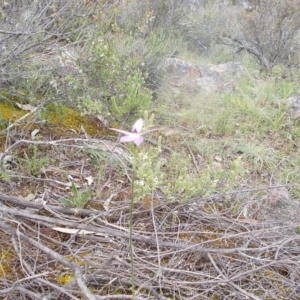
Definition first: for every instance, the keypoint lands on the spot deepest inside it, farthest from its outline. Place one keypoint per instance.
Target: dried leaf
(72, 231)
(247, 221)
(34, 133)
(76, 231)
(89, 180)
(107, 201)
(26, 107)
(29, 197)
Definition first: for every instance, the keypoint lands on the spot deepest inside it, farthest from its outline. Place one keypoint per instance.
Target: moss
(62, 122)
(68, 119)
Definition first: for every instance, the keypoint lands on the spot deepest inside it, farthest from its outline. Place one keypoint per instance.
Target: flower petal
(138, 125)
(121, 131)
(150, 130)
(138, 140)
(129, 138)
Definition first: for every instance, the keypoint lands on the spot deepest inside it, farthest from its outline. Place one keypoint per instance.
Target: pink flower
(135, 135)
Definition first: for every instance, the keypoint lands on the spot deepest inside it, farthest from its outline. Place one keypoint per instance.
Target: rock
(228, 69)
(211, 78)
(277, 209)
(293, 106)
(180, 68)
(210, 84)
(279, 206)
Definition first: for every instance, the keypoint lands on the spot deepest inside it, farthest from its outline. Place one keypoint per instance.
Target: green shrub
(115, 79)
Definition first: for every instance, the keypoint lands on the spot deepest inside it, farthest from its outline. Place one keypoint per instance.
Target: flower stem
(131, 221)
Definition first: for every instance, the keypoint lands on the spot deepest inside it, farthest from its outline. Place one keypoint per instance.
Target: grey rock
(210, 78)
(210, 84)
(293, 106)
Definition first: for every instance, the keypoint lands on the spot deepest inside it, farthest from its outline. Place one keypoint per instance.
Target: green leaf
(74, 190)
(86, 196)
(65, 201)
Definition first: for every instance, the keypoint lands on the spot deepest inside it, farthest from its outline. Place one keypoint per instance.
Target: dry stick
(71, 224)
(157, 246)
(32, 295)
(43, 219)
(181, 247)
(131, 251)
(118, 297)
(193, 158)
(143, 286)
(282, 244)
(220, 281)
(18, 282)
(231, 283)
(18, 176)
(126, 282)
(59, 290)
(64, 210)
(78, 274)
(95, 278)
(15, 32)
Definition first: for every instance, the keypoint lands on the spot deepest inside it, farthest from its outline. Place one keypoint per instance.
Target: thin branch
(39, 206)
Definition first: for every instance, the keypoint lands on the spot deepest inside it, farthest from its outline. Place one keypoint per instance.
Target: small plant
(78, 200)
(4, 176)
(35, 163)
(259, 154)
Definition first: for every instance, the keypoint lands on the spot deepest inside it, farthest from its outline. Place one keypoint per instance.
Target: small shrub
(267, 32)
(78, 199)
(35, 162)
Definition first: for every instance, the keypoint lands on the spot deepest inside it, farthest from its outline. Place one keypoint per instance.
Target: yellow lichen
(65, 279)
(6, 258)
(9, 113)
